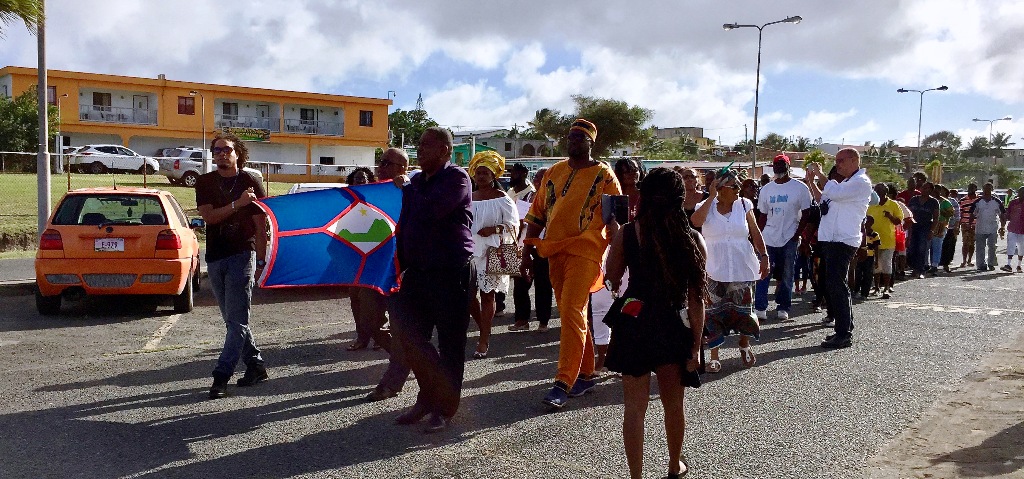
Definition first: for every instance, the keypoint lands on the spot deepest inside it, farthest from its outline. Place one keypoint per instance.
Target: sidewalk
(976, 431)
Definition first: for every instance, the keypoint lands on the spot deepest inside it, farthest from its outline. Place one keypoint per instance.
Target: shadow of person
(999, 455)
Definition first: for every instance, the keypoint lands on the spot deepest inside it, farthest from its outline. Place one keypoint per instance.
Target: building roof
(486, 132)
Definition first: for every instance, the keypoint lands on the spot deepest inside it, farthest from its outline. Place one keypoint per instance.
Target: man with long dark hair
(236, 248)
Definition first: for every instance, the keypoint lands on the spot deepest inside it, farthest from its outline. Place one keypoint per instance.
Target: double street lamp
(202, 138)
(757, 86)
(990, 122)
(920, 110)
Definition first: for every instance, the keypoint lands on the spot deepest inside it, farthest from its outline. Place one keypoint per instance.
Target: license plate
(109, 244)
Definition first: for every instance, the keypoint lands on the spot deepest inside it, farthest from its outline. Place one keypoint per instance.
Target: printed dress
(732, 268)
(493, 212)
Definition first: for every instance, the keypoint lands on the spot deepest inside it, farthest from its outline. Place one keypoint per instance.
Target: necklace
(230, 190)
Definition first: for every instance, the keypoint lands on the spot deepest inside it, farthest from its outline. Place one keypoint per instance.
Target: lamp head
(943, 88)
(794, 19)
(1007, 118)
(902, 90)
(193, 93)
(729, 26)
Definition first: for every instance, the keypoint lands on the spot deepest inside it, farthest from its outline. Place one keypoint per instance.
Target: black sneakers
(253, 374)
(219, 388)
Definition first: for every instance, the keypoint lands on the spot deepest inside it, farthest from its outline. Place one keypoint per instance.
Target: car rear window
(110, 209)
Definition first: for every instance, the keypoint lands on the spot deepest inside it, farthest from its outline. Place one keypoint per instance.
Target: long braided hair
(667, 241)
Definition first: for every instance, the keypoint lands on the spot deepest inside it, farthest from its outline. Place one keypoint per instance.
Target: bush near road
(18, 204)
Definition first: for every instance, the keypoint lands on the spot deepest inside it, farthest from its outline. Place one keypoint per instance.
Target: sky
(483, 63)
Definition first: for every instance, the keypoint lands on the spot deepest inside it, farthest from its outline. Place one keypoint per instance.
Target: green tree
(411, 123)
(1003, 176)
(945, 140)
(617, 122)
(774, 142)
(802, 143)
(28, 11)
(1000, 141)
(979, 147)
(19, 122)
(820, 157)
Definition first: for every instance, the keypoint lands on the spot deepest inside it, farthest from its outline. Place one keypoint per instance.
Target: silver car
(99, 159)
(183, 165)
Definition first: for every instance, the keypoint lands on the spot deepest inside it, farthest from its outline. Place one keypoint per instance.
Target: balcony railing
(236, 121)
(314, 127)
(113, 114)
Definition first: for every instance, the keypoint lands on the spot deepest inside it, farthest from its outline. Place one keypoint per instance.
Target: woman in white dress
(495, 218)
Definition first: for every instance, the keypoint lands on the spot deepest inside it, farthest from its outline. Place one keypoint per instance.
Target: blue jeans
(232, 281)
(783, 261)
(985, 241)
(937, 249)
(917, 249)
(835, 259)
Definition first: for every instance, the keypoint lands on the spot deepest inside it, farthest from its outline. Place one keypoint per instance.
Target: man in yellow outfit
(568, 208)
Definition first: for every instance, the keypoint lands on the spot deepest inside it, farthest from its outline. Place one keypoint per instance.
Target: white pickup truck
(183, 165)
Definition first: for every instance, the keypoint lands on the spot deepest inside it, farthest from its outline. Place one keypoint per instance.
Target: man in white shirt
(990, 219)
(781, 204)
(844, 204)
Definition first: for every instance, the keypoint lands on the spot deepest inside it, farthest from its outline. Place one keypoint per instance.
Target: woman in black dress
(658, 321)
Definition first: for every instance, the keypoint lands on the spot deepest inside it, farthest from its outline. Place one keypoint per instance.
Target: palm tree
(28, 11)
(999, 142)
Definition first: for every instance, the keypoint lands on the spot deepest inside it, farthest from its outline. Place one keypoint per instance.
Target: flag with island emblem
(334, 237)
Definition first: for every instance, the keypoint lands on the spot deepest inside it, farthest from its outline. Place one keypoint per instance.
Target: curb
(21, 287)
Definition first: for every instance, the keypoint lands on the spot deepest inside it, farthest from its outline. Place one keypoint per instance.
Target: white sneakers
(761, 314)
(782, 315)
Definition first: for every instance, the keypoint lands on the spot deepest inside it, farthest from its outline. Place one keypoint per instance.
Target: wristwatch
(260, 263)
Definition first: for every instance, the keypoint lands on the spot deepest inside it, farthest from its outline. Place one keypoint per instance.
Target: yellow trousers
(572, 278)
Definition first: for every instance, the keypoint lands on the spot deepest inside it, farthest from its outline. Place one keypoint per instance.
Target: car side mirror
(197, 223)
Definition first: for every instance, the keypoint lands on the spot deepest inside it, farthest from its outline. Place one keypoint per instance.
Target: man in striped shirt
(967, 221)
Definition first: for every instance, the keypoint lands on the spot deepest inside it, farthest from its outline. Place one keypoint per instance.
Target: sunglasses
(385, 163)
(222, 149)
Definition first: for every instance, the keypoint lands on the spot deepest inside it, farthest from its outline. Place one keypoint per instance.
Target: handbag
(506, 258)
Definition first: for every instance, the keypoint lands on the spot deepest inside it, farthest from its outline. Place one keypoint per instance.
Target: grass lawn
(18, 197)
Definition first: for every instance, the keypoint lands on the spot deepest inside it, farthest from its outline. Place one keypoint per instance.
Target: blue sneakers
(581, 387)
(556, 398)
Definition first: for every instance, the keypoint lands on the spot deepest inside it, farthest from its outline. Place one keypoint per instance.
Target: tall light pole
(757, 85)
(990, 122)
(920, 111)
(202, 138)
(391, 135)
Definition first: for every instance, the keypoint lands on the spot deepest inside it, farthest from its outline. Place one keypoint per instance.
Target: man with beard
(784, 205)
(236, 245)
(568, 207)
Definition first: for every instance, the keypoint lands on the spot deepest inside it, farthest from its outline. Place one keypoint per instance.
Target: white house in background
(498, 138)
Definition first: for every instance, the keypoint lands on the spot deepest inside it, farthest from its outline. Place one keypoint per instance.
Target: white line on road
(950, 309)
(160, 333)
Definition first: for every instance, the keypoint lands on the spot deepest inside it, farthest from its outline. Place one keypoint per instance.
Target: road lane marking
(939, 308)
(158, 336)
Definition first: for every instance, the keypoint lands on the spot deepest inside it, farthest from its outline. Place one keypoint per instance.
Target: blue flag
(334, 237)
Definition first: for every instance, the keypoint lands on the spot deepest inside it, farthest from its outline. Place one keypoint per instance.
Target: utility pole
(43, 158)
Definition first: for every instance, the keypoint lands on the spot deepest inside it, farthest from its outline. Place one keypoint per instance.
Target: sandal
(714, 366)
(519, 327)
(356, 346)
(748, 357)
(479, 355)
(682, 473)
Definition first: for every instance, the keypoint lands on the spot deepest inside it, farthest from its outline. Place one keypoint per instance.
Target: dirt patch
(17, 241)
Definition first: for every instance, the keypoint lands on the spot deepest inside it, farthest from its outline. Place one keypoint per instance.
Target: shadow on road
(999, 455)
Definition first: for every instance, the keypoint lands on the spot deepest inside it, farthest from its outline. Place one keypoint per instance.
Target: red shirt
(906, 195)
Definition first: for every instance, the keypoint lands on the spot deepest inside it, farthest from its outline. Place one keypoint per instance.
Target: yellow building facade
(293, 136)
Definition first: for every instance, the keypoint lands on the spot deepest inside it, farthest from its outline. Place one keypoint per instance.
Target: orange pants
(572, 278)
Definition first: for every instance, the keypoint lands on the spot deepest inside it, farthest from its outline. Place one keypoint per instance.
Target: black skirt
(656, 337)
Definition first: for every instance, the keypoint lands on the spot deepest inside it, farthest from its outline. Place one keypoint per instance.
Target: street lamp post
(990, 122)
(59, 150)
(920, 111)
(757, 86)
(202, 138)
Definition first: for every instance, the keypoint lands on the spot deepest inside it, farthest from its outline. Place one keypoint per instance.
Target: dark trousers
(368, 308)
(398, 366)
(521, 298)
(865, 275)
(542, 290)
(917, 248)
(948, 248)
(429, 300)
(835, 258)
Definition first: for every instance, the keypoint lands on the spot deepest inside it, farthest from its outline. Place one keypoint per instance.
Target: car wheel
(97, 168)
(184, 302)
(196, 286)
(47, 305)
(190, 179)
(146, 170)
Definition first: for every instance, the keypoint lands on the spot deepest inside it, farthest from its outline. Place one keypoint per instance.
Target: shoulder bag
(506, 258)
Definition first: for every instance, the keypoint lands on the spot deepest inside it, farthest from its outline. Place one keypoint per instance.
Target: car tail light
(168, 239)
(177, 164)
(51, 240)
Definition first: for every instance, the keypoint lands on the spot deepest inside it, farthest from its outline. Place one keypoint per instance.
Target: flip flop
(714, 366)
(748, 357)
(356, 346)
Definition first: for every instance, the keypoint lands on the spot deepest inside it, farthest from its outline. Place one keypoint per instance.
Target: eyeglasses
(222, 149)
(385, 163)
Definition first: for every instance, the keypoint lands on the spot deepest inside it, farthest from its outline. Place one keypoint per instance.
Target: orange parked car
(106, 241)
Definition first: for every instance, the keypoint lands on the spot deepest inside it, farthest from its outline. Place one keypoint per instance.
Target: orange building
(296, 136)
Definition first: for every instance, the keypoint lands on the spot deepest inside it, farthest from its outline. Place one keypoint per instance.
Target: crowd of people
(686, 261)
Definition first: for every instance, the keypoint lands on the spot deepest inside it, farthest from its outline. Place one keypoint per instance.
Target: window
(508, 146)
(100, 101)
(326, 160)
(186, 105)
(307, 115)
(51, 95)
(230, 111)
(365, 118)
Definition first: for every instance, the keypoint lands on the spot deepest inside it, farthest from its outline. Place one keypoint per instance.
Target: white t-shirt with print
(782, 203)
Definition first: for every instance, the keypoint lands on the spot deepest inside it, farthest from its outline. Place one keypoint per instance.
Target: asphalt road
(105, 391)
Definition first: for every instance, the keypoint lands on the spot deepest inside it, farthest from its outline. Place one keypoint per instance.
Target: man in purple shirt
(438, 279)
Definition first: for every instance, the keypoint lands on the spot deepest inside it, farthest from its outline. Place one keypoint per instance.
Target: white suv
(101, 158)
(183, 165)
